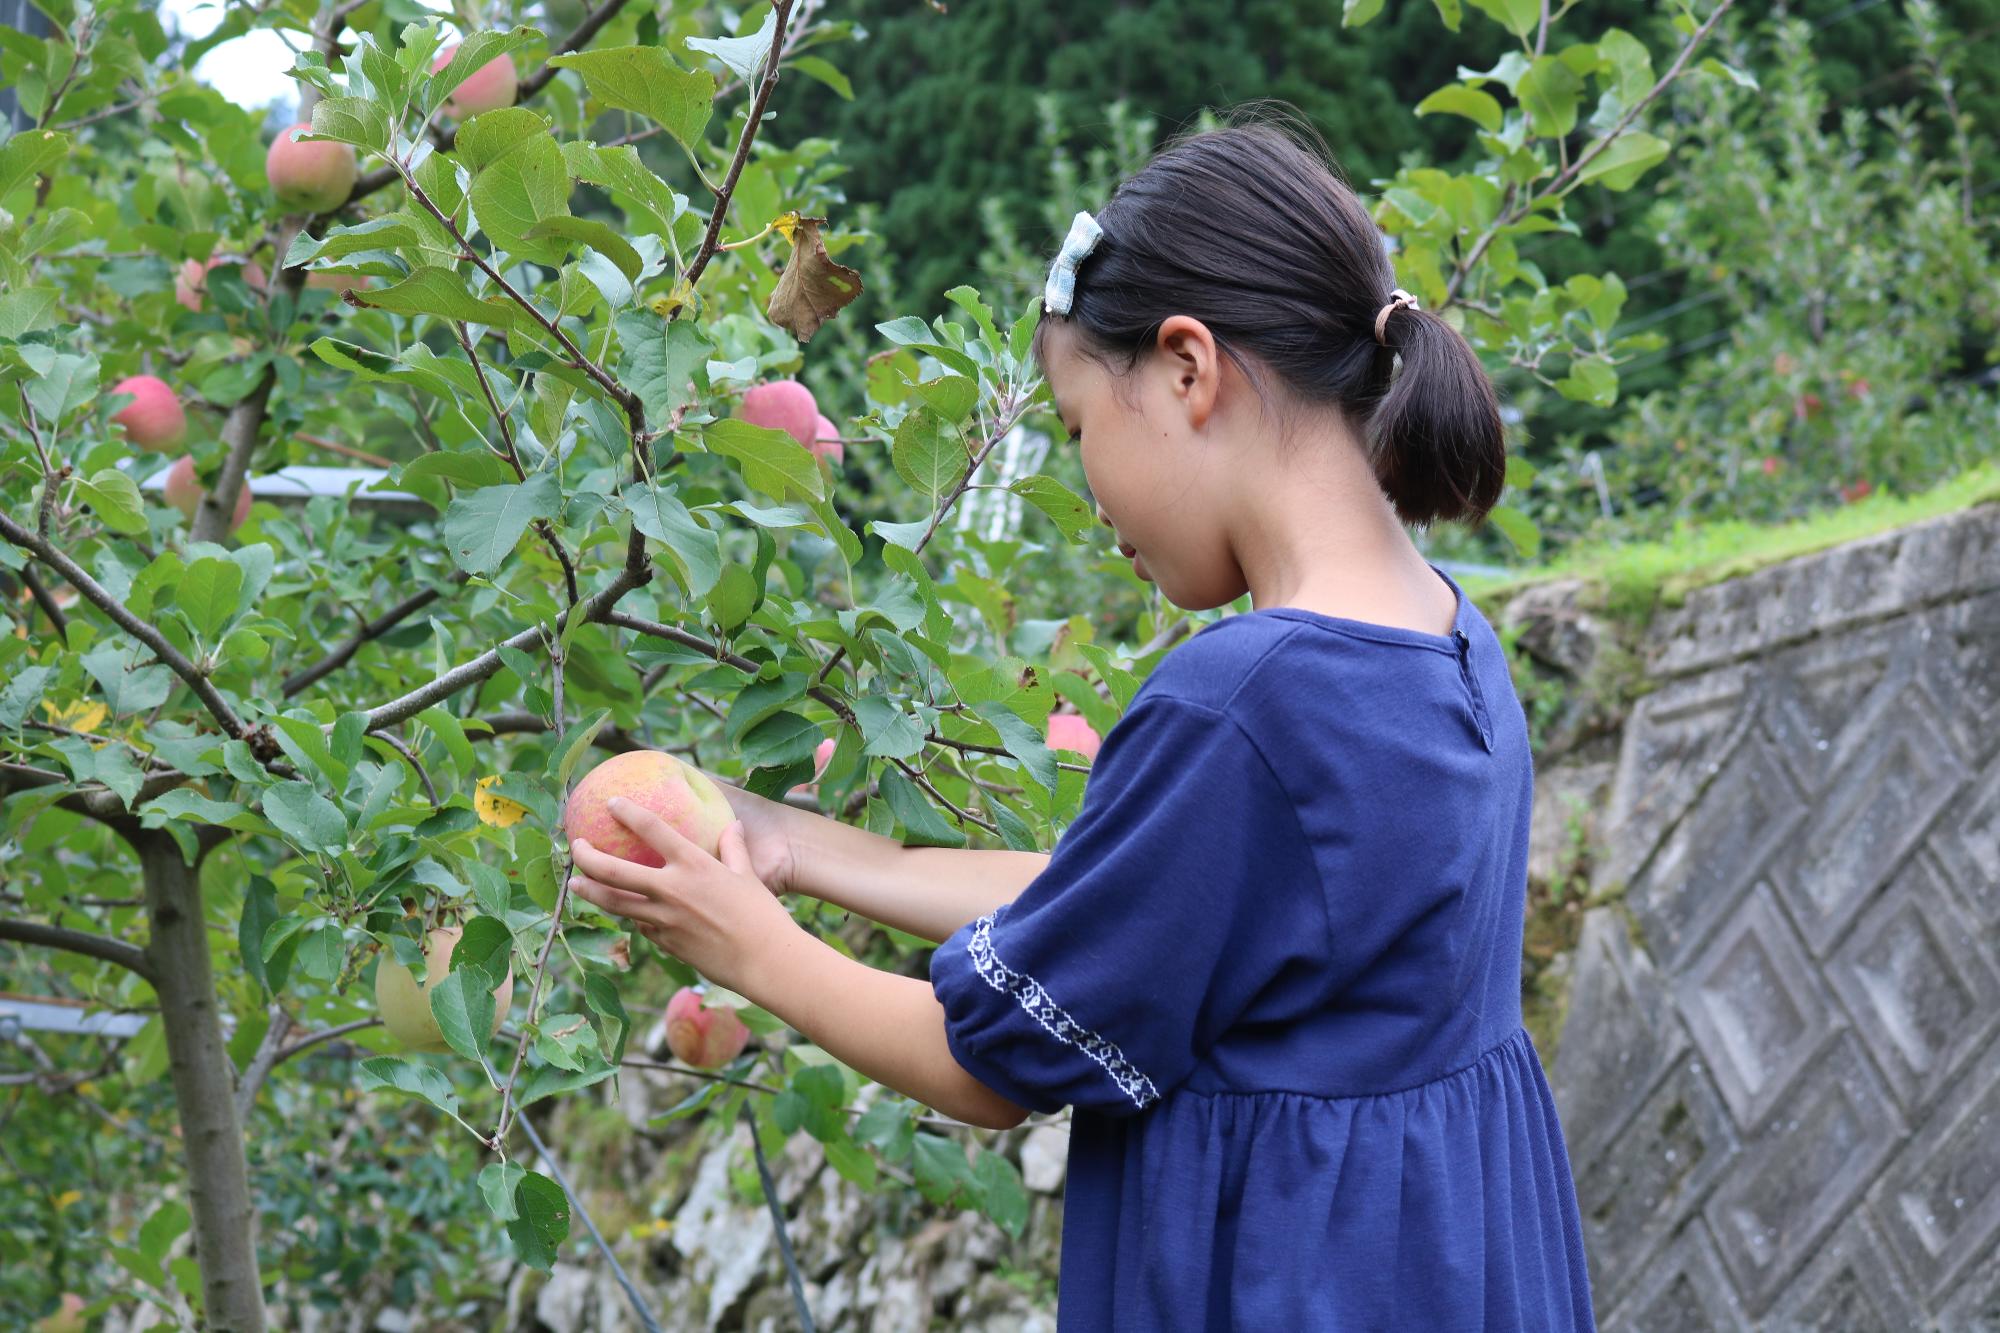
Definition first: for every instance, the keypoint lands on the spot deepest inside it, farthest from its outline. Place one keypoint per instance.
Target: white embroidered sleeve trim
(1054, 1018)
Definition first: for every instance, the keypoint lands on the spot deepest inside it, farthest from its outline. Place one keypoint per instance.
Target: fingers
(654, 831)
(619, 902)
(614, 871)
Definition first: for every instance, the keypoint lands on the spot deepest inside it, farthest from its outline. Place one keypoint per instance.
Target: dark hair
(1251, 230)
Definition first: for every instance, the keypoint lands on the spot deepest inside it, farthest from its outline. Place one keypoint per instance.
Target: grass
(1638, 577)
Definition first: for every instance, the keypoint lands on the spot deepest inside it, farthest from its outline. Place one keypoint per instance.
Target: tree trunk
(218, 1176)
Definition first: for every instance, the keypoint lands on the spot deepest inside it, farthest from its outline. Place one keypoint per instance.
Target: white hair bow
(1084, 233)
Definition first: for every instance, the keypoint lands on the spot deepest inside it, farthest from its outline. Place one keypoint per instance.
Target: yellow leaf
(68, 1197)
(813, 288)
(83, 715)
(496, 810)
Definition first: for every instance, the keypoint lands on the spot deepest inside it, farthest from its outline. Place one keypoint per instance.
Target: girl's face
(1154, 451)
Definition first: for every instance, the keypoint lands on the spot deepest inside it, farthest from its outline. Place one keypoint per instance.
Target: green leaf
(1001, 1194)
(114, 498)
(814, 67)
(64, 384)
(1355, 13)
(659, 360)
(305, 817)
(206, 594)
(431, 290)
(928, 453)
(1448, 10)
(1549, 92)
(482, 528)
(352, 120)
(1742, 78)
(27, 309)
(1023, 742)
(782, 739)
(1458, 100)
(645, 79)
(21, 693)
(887, 730)
(497, 1181)
(620, 170)
(742, 54)
(29, 154)
(1517, 16)
(463, 1005)
(922, 824)
(392, 231)
(733, 598)
(772, 460)
(128, 686)
(658, 513)
(474, 54)
(598, 236)
(1518, 528)
(519, 179)
(1590, 381)
(576, 744)
(1628, 157)
(1063, 506)
(942, 1172)
(541, 1220)
(414, 1077)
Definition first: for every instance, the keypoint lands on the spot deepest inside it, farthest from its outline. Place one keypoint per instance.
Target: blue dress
(1275, 966)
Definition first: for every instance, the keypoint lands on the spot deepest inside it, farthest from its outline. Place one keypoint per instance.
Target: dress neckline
(1368, 629)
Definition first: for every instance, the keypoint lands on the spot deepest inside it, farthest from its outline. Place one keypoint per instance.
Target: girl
(1274, 964)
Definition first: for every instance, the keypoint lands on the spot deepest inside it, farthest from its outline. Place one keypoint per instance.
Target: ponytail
(1435, 437)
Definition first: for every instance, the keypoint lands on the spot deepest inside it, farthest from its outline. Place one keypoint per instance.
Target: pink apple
(309, 177)
(491, 86)
(826, 439)
(657, 781)
(1068, 731)
(153, 419)
(785, 405)
(703, 1037)
(821, 754)
(191, 285)
(184, 493)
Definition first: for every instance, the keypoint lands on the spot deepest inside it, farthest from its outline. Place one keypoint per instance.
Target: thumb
(734, 849)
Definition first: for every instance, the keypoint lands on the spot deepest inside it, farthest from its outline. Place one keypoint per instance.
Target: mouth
(1127, 550)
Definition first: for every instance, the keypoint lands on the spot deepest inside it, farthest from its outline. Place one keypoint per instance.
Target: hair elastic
(1060, 290)
(1398, 297)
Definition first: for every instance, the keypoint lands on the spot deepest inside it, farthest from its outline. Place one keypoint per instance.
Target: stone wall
(1780, 1072)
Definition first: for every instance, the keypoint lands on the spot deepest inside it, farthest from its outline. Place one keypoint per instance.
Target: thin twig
(374, 629)
(778, 1222)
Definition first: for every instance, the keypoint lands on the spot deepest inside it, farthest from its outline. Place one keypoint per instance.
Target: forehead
(1066, 373)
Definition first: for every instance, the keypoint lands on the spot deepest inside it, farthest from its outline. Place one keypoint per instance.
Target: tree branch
(57, 619)
(374, 629)
(127, 956)
(712, 238)
(96, 593)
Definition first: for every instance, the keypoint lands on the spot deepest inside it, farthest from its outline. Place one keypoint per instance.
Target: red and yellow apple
(405, 1006)
(1068, 731)
(653, 780)
(701, 1036)
(153, 419)
(184, 493)
(488, 88)
(311, 177)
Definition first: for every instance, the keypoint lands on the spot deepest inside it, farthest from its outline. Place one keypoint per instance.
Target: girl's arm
(887, 1027)
(928, 892)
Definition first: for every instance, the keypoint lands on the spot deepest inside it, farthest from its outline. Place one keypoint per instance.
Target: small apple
(191, 284)
(701, 1036)
(1771, 465)
(653, 780)
(405, 1006)
(184, 493)
(1808, 407)
(826, 440)
(785, 405)
(1857, 491)
(822, 753)
(311, 177)
(1068, 731)
(153, 419)
(491, 86)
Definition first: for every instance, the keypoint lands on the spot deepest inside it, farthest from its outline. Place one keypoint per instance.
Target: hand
(714, 914)
(767, 835)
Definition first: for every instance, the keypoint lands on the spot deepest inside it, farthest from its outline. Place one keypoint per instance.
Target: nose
(1104, 518)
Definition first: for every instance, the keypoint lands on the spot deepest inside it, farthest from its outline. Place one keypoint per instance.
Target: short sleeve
(1179, 890)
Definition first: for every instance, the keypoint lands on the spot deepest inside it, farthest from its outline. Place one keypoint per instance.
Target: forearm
(887, 1027)
(928, 892)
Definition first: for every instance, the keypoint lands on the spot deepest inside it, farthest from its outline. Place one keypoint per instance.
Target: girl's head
(1219, 363)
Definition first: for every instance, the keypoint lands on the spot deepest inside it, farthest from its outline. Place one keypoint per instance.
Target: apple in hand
(676, 792)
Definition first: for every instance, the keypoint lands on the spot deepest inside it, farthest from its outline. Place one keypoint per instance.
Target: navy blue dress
(1275, 966)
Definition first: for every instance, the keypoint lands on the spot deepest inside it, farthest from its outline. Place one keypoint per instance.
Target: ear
(1195, 364)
